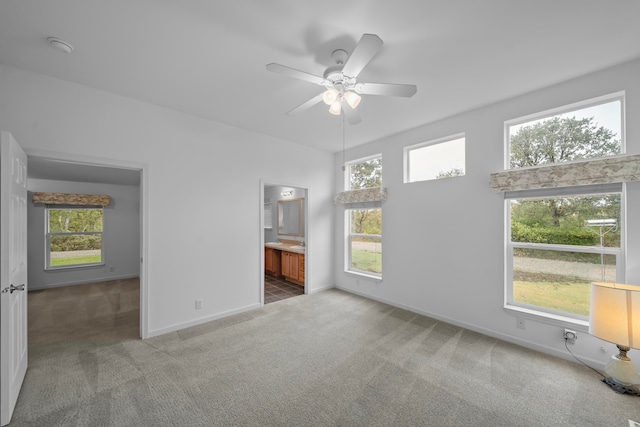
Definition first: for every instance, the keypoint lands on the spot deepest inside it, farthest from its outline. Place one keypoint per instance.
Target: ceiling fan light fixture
(352, 98)
(330, 96)
(341, 83)
(336, 108)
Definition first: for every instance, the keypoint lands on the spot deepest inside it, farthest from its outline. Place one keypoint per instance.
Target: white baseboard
(201, 320)
(80, 282)
(498, 335)
(316, 290)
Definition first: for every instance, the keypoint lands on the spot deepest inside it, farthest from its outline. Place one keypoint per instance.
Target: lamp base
(621, 373)
(621, 388)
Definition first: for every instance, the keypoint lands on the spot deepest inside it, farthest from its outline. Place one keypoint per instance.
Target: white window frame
(547, 114)
(48, 235)
(347, 174)
(347, 220)
(408, 149)
(540, 313)
(349, 237)
(548, 316)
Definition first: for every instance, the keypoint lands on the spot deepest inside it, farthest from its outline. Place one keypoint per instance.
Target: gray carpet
(328, 359)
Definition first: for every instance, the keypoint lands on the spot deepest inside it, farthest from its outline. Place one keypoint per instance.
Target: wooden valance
(71, 199)
(586, 172)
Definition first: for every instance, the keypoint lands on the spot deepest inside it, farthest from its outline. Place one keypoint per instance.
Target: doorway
(120, 280)
(284, 254)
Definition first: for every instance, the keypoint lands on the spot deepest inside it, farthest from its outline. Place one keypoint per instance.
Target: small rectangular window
(74, 237)
(364, 173)
(442, 158)
(588, 130)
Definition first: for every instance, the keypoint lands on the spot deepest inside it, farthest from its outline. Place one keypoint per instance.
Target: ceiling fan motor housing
(334, 74)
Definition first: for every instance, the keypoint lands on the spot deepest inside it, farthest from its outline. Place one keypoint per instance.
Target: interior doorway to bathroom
(284, 254)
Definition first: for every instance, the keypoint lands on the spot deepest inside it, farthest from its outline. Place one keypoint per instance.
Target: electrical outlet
(570, 336)
(520, 323)
(198, 304)
(112, 269)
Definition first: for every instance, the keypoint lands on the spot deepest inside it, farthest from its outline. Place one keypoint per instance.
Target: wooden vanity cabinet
(272, 261)
(293, 267)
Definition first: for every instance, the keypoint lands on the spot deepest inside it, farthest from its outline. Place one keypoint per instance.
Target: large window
(442, 158)
(364, 221)
(559, 244)
(73, 237)
(560, 240)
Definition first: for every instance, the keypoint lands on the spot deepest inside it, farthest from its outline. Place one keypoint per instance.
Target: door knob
(12, 288)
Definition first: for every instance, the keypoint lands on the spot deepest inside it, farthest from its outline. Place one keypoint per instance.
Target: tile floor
(277, 290)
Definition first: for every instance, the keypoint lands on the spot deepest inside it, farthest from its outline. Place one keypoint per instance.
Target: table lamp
(615, 317)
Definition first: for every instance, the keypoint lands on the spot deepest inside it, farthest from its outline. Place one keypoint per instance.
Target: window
(559, 243)
(561, 239)
(73, 237)
(365, 241)
(363, 221)
(364, 173)
(588, 130)
(442, 158)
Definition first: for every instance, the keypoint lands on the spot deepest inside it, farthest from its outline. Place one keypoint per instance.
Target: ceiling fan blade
(292, 72)
(386, 89)
(303, 107)
(365, 50)
(351, 114)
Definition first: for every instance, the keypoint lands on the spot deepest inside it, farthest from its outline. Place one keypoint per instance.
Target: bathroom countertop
(289, 247)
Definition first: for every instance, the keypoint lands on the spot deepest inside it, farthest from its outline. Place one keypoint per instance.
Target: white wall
(121, 239)
(201, 184)
(444, 240)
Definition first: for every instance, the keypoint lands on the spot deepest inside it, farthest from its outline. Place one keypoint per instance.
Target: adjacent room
(320, 213)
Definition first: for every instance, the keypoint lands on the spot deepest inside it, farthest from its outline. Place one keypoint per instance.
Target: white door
(13, 263)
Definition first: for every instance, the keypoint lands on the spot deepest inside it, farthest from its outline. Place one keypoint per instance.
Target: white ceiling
(56, 170)
(207, 58)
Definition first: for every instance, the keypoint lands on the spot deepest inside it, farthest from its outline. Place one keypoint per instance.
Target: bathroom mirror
(290, 217)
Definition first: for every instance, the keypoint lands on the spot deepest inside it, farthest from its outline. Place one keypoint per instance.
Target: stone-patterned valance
(586, 172)
(70, 199)
(375, 194)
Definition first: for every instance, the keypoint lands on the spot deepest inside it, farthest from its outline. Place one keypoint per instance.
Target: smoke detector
(60, 44)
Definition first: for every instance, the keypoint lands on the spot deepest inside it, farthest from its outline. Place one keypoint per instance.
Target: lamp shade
(615, 313)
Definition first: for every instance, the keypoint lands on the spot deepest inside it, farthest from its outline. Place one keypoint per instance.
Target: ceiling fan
(343, 91)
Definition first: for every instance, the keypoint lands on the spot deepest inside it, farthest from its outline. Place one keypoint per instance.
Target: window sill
(548, 318)
(360, 274)
(73, 267)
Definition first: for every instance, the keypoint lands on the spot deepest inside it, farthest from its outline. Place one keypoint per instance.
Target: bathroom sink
(274, 243)
(296, 247)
